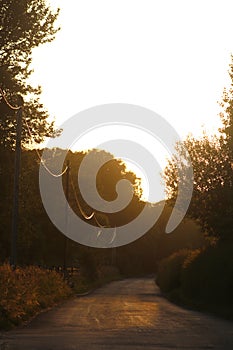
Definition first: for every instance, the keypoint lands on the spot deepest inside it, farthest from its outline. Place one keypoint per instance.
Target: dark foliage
(24, 25)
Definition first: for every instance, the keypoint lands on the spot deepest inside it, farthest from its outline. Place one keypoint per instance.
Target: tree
(227, 114)
(24, 25)
(211, 205)
(112, 171)
(39, 241)
(212, 160)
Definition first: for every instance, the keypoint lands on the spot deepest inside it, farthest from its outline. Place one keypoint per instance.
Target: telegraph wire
(87, 217)
(31, 136)
(97, 221)
(40, 158)
(7, 102)
(93, 214)
(114, 235)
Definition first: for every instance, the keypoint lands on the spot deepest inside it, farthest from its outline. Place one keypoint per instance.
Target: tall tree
(211, 205)
(212, 160)
(24, 25)
(227, 114)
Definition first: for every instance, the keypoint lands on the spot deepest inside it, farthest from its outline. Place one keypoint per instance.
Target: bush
(169, 271)
(208, 276)
(202, 278)
(25, 291)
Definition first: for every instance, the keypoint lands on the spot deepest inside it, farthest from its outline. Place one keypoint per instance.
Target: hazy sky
(170, 56)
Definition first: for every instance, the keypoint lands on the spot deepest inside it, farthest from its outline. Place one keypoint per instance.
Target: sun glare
(163, 64)
(149, 174)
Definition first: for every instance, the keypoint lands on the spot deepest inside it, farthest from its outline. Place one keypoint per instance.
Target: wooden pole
(67, 202)
(15, 214)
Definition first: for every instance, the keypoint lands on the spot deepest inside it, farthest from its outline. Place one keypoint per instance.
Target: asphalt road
(125, 315)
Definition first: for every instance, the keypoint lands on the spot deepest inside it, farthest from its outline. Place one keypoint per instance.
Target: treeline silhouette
(41, 243)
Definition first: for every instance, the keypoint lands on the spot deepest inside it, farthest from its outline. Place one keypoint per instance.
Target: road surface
(124, 315)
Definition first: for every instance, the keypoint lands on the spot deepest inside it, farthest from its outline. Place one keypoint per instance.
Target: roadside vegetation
(26, 291)
(203, 278)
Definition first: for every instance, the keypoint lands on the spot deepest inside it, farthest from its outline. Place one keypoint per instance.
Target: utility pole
(114, 254)
(15, 215)
(67, 203)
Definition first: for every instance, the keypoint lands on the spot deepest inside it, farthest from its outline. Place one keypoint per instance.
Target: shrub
(169, 271)
(25, 291)
(208, 276)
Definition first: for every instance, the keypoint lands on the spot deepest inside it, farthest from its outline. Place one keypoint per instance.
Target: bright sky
(168, 56)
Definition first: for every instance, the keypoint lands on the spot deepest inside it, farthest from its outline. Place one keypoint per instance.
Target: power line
(32, 138)
(93, 215)
(97, 221)
(40, 158)
(114, 235)
(8, 103)
(87, 217)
